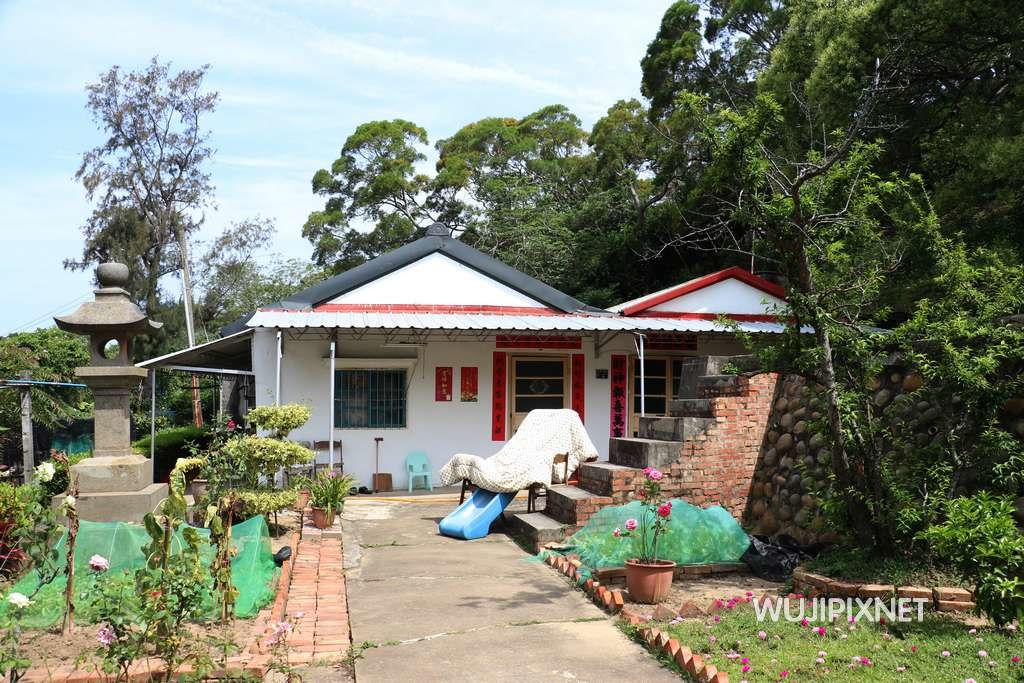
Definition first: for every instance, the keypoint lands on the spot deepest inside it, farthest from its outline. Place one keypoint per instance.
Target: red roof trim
(434, 308)
(700, 283)
(740, 317)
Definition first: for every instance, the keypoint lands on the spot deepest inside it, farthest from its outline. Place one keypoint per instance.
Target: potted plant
(649, 579)
(302, 494)
(327, 493)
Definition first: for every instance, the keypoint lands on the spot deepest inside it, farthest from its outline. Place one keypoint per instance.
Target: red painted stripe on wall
(579, 385)
(618, 388)
(532, 341)
(499, 367)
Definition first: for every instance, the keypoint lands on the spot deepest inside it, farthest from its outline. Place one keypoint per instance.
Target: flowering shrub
(653, 521)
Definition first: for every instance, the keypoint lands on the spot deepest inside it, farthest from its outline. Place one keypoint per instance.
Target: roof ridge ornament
(438, 229)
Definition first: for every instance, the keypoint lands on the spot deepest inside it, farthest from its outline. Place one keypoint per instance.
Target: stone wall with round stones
(795, 460)
(794, 463)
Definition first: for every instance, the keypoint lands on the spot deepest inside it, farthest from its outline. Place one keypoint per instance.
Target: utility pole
(28, 456)
(190, 327)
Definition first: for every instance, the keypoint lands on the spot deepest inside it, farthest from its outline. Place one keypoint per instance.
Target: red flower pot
(649, 582)
(323, 518)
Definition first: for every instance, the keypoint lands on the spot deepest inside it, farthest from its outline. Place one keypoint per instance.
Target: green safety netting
(693, 536)
(252, 569)
(72, 445)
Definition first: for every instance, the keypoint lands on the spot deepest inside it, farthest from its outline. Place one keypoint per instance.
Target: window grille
(369, 398)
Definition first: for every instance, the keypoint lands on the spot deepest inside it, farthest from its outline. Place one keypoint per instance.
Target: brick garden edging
(612, 601)
(943, 598)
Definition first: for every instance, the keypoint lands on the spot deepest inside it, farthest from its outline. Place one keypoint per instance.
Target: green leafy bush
(172, 441)
(980, 536)
(279, 420)
(329, 490)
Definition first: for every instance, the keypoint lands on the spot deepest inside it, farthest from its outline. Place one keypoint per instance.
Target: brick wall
(717, 467)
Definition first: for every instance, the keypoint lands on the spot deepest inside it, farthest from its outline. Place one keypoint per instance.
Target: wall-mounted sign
(443, 378)
(468, 384)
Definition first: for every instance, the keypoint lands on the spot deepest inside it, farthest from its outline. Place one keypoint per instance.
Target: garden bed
(939, 648)
(856, 565)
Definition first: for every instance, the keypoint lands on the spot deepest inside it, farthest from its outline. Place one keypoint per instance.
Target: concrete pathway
(438, 609)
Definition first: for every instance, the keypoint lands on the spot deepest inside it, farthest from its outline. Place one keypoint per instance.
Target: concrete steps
(536, 528)
(641, 453)
(691, 407)
(601, 477)
(572, 505)
(673, 428)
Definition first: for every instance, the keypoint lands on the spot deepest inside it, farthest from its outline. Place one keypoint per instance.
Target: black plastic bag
(771, 561)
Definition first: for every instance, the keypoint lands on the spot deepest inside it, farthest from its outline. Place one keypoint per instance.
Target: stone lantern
(114, 484)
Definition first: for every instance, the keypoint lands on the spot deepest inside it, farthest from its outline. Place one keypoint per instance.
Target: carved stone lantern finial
(114, 484)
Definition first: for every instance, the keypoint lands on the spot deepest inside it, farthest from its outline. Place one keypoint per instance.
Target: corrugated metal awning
(496, 323)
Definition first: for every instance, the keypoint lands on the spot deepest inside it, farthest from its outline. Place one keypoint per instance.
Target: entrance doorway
(537, 382)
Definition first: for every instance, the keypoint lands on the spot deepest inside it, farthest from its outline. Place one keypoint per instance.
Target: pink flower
(745, 660)
(822, 653)
(969, 680)
(617, 532)
(913, 648)
(749, 594)
(630, 524)
(712, 639)
(945, 653)
(762, 635)
(783, 674)
(653, 473)
(746, 668)
(982, 654)
(1015, 659)
(900, 669)
(804, 622)
(973, 631)
(820, 660)
(665, 510)
(106, 635)
(716, 618)
(231, 424)
(820, 630)
(98, 563)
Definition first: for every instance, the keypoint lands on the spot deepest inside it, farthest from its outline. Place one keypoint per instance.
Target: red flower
(231, 424)
(665, 510)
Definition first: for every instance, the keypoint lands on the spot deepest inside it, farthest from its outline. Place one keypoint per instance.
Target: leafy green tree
(374, 180)
(50, 355)
(149, 177)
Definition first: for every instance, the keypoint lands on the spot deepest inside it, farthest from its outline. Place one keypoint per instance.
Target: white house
(438, 348)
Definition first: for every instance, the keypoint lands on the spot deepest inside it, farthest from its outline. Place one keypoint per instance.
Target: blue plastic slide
(473, 518)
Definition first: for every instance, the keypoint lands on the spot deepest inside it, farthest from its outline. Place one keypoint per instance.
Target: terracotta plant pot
(649, 583)
(322, 519)
(301, 499)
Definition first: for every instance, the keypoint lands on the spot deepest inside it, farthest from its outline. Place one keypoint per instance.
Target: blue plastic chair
(418, 465)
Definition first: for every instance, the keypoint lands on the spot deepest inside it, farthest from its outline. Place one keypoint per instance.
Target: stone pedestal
(114, 485)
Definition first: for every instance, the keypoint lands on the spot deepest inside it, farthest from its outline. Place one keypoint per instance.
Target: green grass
(792, 648)
(855, 564)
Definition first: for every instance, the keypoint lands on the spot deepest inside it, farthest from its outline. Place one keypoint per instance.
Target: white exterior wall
(439, 428)
(727, 296)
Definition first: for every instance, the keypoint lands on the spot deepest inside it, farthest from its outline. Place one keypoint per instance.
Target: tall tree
(148, 178)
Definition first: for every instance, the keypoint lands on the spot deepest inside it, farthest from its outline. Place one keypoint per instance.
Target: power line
(49, 313)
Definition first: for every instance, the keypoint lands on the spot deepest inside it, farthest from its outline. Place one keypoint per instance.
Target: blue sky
(295, 79)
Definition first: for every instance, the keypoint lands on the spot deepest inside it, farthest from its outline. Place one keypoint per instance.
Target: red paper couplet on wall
(468, 384)
(499, 367)
(578, 385)
(443, 383)
(618, 388)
